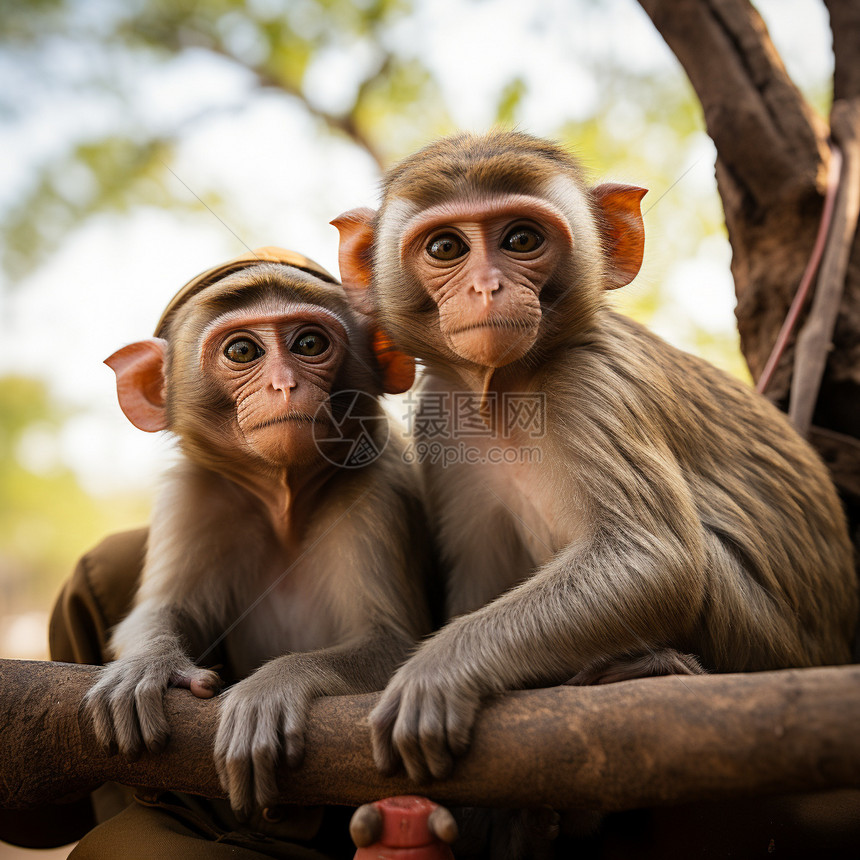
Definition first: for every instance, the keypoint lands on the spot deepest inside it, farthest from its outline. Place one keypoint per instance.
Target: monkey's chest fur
(291, 609)
(522, 495)
(504, 509)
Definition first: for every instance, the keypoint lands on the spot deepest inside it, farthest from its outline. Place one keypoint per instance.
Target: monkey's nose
(284, 386)
(486, 290)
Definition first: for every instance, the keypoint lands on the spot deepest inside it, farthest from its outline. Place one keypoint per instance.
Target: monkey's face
(491, 249)
(276, 367)
(484, 263)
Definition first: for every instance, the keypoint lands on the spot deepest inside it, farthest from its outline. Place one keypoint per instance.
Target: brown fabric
(96, 598)
(183, 826)
(93, 601)
(269, 254)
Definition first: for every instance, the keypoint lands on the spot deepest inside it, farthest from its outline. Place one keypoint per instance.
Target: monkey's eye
(522, 240)
(447, 247)
(311, 344)
(242, 351)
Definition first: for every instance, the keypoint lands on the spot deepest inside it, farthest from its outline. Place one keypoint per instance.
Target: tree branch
(841, 453)
(620, 746)
(845, 26)
(772, 158)
(344, 123)
(816, 338)
(766, 135)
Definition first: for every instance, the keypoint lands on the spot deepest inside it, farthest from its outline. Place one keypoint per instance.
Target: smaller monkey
(287, 507)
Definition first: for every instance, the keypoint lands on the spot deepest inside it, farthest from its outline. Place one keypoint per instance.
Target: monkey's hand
(426, 714)
(126, 704)
(261, 724)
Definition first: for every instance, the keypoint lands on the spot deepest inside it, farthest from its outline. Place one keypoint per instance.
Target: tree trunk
(772, 161)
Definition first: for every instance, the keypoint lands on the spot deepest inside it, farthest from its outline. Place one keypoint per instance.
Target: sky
(283, 181)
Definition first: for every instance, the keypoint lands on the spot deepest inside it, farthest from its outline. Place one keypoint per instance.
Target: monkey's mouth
(493, 341)
(301, 417)
(509, 325)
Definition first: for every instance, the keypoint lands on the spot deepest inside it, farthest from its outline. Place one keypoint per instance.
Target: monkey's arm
(263, 718)
(173, 606)
(126, 703)
(377, 592)
(617, 590)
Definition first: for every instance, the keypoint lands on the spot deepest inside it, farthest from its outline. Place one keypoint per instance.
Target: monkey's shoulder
(629, 390)
(629, 366)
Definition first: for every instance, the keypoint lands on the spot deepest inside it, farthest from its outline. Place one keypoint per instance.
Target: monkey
(672, 514)
(286, 506)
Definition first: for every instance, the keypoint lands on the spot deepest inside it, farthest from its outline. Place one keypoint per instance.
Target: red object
(405, 833)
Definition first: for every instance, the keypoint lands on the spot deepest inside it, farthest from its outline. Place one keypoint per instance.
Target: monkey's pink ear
(623, 230)
(355, 259)
(355, 253)
(139, 369)
(398, 368)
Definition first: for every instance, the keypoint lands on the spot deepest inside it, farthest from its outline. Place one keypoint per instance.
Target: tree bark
(620, 746)
(845, 26)
(772, 155)
(814, 341)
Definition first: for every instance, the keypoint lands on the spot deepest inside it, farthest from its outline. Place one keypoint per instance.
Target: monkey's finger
(205, 688)
(405, 737)
(238, 764)
(226, 719)
(223, 737)
(365, 826)
(123, 711)
(96, 708)
(442, 825)
(293, 729)
(381, 719)
(265, 755)
(149, 702)
(460, 718)
(203, 683)
(265, 778)
(432, 736)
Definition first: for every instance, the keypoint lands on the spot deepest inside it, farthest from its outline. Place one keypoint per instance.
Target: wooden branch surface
(621, 746)
(845, 26)
(841, 453)
(816, 338)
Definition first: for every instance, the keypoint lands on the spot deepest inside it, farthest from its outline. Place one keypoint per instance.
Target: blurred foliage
(510, 102)
(664, 117)
(48, 519)
(113, 174)
(642, 128)
(396, 104)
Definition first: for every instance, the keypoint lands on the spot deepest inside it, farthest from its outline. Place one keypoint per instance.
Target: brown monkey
(269, 382)
(670, 509)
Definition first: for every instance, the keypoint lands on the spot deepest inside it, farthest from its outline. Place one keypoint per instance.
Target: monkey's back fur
(776, 585)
